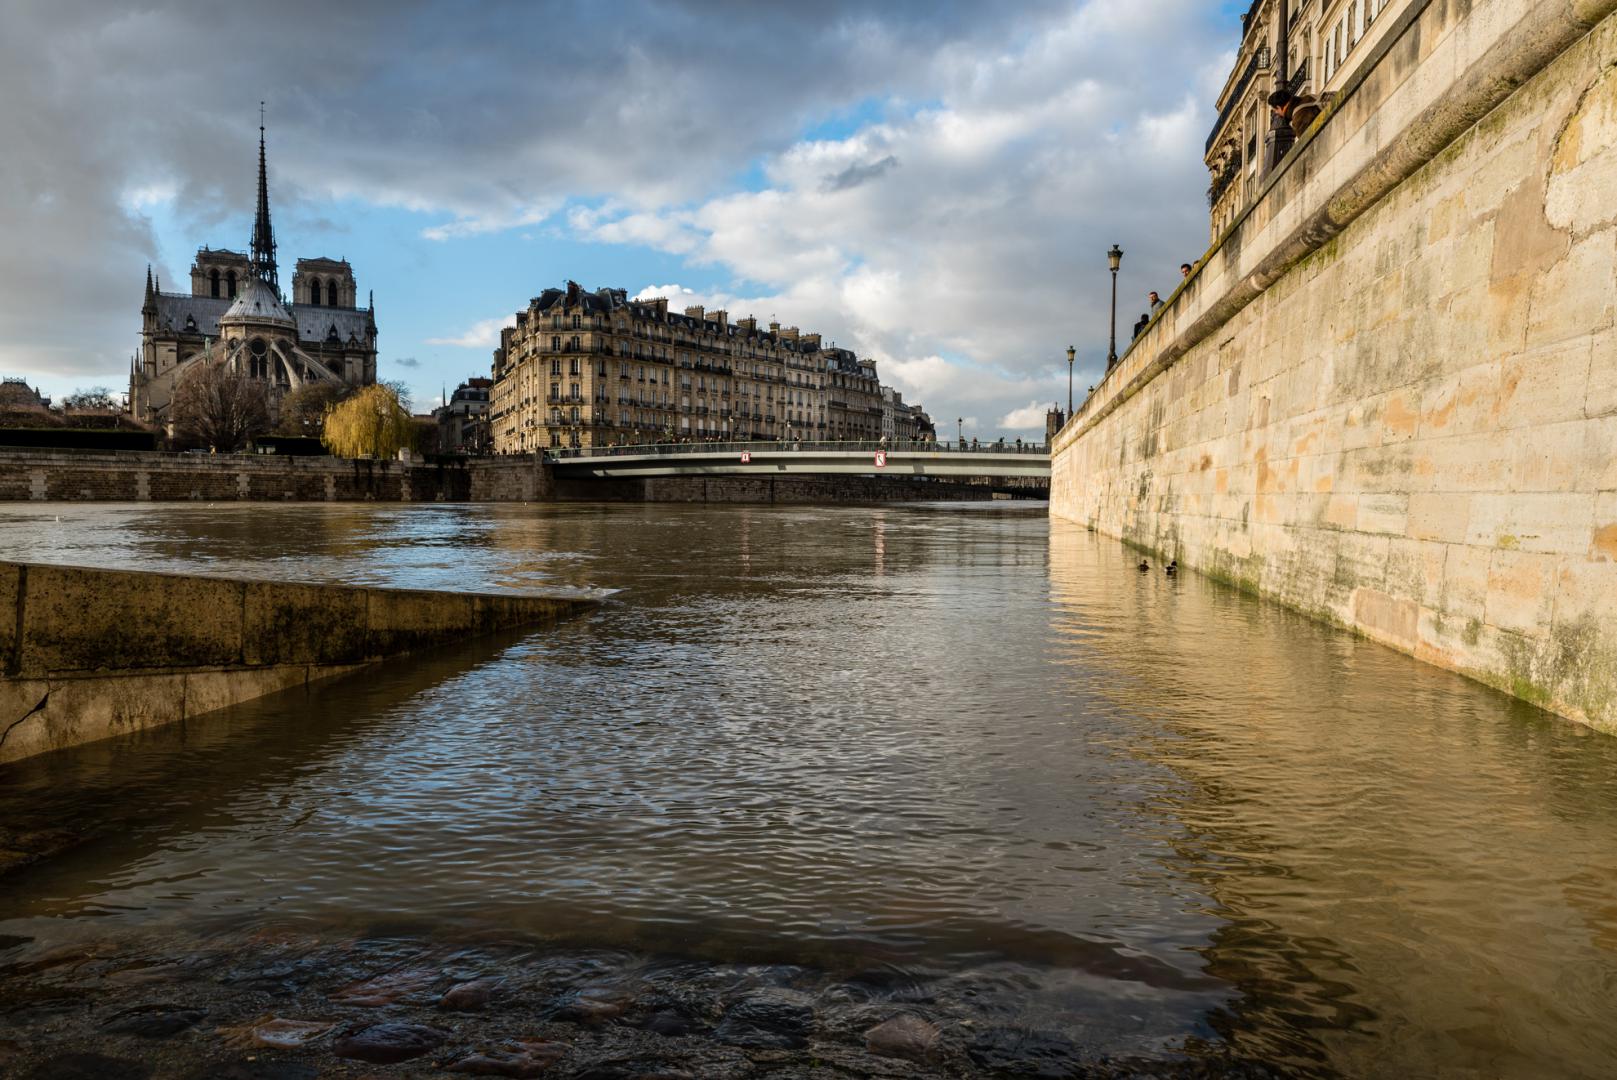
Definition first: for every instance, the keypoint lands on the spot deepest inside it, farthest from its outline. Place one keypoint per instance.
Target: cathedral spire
(263, 256)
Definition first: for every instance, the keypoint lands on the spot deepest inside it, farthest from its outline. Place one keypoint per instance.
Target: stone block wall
(66, 475)
(1389, 396)
(510, 479)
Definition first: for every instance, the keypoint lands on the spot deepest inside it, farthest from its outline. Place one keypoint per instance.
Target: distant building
(17, 394)
(463, 419)
(1316, 52)
(596, 369)
(1054, 420)
(901, 422)
(235, 314)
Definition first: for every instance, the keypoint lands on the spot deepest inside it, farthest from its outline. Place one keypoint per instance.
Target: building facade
(582, 369)
(462, 420)
(1308, 50)
(235, 314)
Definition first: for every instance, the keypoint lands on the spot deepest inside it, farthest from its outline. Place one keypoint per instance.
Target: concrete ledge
(91, 653)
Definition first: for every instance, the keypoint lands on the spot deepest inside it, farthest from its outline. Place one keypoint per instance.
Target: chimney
(661, 305)
(749, 323)
(697, 312)
(812, 340)
(788, 334)
(720, 317)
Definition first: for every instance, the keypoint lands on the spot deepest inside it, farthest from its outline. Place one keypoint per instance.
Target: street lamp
(960, 434)
(1115, 257)
(1072, 355)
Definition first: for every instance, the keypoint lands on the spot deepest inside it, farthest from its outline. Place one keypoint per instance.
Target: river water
(962, 745)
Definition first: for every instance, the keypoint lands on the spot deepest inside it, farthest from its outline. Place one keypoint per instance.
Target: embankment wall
(91, 653)
(1388, 396)
(41, 475)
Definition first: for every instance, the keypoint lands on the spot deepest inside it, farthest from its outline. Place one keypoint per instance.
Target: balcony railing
(1259, 61)
(1299, 78)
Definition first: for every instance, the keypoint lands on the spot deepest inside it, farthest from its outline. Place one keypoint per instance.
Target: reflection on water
(962, 740)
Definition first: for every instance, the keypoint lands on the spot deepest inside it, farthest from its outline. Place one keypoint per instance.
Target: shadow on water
(117, 800)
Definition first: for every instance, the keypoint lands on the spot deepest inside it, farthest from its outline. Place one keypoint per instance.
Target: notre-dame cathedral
(235, 314)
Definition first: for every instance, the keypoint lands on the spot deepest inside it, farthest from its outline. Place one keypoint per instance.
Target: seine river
(961, 746)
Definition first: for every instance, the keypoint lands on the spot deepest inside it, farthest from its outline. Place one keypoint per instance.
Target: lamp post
(1072, 355)
(1115, 258)
(960, 431)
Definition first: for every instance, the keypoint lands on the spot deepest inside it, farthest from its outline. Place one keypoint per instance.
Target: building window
(314, 292)
(213, 280)
(577, 322)
(230, 281)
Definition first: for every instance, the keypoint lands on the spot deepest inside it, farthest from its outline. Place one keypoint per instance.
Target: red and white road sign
(881, 459)
(746, 458)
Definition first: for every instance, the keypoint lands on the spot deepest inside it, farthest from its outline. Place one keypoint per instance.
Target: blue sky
(931, 184)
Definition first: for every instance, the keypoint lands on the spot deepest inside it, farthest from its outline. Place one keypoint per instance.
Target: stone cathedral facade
(235, 314)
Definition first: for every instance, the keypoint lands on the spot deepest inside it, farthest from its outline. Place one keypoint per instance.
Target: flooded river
(955, 760)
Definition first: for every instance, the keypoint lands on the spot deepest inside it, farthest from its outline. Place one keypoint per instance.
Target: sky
(931, 184)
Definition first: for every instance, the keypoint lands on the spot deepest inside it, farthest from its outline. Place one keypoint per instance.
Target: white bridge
(998, 462)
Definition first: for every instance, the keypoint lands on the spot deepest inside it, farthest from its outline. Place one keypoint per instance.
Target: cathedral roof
(321, 323)
(257, 302)
(201, 315)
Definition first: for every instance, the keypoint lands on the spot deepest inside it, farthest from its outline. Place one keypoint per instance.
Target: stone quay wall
(1388, 395)
(157, 477)
(92, 653)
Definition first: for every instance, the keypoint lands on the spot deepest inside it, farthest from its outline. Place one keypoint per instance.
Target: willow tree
(371, 423)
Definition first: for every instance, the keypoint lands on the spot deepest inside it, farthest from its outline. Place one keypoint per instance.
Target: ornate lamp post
(1115, 258)
(960, 432)
(1072, 356)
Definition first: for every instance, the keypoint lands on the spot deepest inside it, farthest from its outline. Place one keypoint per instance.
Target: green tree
(371, 423)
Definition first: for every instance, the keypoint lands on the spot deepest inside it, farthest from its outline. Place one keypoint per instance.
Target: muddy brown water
(961, 746)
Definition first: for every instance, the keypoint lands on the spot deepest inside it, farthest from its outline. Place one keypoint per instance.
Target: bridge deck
(775, 459)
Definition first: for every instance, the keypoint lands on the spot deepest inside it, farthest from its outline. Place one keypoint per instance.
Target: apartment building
(585, 369)
(1311, 50)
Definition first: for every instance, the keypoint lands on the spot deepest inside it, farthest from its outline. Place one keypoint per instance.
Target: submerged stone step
(90, 653)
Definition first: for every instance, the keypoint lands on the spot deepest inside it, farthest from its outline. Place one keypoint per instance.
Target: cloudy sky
(931, 184)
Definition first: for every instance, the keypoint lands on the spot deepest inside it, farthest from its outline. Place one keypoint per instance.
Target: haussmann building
(585, 369)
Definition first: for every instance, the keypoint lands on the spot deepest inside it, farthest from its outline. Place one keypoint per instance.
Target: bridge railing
(677, 449)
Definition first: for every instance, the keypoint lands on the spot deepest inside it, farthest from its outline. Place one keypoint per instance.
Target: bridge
(1028, 464)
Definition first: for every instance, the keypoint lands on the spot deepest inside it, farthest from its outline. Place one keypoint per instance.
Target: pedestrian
(1184, 270)
(1156, 303)
(1139, 327)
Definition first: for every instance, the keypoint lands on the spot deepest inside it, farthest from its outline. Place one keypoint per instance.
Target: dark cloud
(495, 115)
(406, 362)
(854, 175)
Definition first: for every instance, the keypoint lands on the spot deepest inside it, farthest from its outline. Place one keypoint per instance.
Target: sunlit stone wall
(1388, 397)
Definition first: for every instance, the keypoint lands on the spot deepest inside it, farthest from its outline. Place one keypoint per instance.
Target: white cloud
(1029, 417)
(958, 236)
(962, 245)
(481, 335)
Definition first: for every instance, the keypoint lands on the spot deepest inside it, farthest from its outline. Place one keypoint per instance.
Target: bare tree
(304, 410)
(96, 397)
(219, 407)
